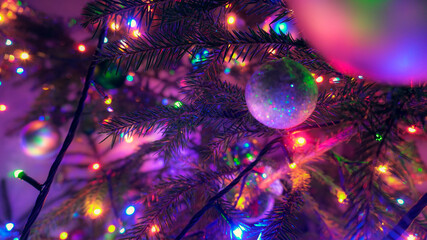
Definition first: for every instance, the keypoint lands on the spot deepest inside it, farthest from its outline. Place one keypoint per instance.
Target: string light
(238, 232)
(231, 20)
(300, 141)
(114, 26)
(128, 138)
(11, 58)
(111, 228)
(63, 235)
(132, 23)
(96, 166)
(17, 173)
(155, 229)
(130, 210)
(382, 168)
(411, 237)
(82, 48)
(136, 33)
(97, 211)
(130, 76)
(9, 226)
(412, 129)
(177, 104)
(8, 42)
(341, 196)
(292, 165)
(319, 79)
(105, 39)
(94, 210)
(400, 201)
(19, 70)
(122, 230)
(3, 108)
(24, 56)
(108, 100)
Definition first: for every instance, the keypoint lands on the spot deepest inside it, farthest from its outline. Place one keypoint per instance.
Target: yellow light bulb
(111, 228)
(231, 20)
(24, 56)
(341, 196)
(108, 101)
(382, 168)
(292, 165)
(97, 211)
(412, 129)
(63, 235)
(155, 229)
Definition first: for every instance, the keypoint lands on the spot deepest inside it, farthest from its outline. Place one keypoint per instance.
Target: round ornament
(383, 40)
(281, 94)
(109, 77)
(38, 138)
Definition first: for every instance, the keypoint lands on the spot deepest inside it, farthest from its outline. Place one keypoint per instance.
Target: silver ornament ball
(40, 139)
(281, 94)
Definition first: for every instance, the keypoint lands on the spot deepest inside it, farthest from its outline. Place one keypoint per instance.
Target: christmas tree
(217, 119)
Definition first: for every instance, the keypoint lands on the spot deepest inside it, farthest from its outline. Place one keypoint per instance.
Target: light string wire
(70, 136)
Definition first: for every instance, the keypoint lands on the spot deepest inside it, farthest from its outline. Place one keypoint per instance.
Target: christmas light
(177, 104)
(227, 70)
(17, 173)
(108, 101)
(136, 33)
(128, 138)
(109, 109)
(238, 232)
(412, 129)
(63, 235)
(292, 165)
(319, 79)
(8, 42)
(24, 56)
(281, 27)
(130, 210)
(411, 237)
(155, 229)
(105, 39)
(82, 48)
(231, 20)
(300, 141)
(97, 211)
(129, 77)
(96, 166)
(382, 168)
(19, 70)
(334, 80)
(9, 226)
(122, 230)
(400, 201)
(114, 26)
(165, 101)
(111, 228)
(132, 23)
(341, 196)
(3, 108)
(11, 58)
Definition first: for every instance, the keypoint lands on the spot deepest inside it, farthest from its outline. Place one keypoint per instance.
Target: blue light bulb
(130, 210)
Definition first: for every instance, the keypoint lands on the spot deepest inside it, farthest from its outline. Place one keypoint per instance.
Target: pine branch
(166, 49)
(278, 224)
(171, 193)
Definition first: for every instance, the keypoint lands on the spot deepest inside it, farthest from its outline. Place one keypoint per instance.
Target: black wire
(407, 219)
(70, 136)
(213, 199)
